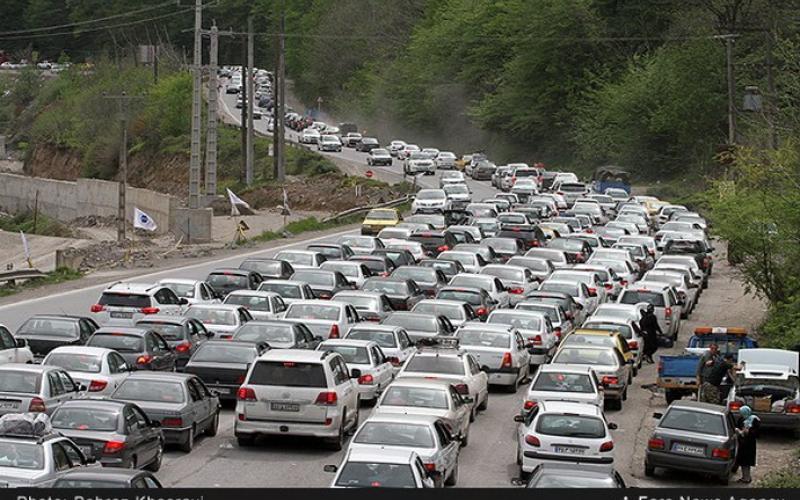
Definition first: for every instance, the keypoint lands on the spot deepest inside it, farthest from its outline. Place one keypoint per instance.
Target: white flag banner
(286, 202)
(143, 221)
(235, 200)
(25, 247)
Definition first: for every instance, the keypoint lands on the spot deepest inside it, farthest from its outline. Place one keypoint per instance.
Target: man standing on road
(649, 326)
(704, 369)
(712, 391)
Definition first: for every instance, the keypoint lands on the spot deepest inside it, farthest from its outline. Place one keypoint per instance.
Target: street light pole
(729, 39)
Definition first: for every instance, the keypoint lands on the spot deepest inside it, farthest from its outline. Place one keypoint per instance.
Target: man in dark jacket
(651, 330)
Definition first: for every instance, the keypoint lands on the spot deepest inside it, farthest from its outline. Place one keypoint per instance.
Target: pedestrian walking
(747, 432)
(651, 330)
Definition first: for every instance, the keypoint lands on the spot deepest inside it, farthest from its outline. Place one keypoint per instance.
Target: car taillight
(735, 405)
(149, 310)
(97, 385)
(96, 308)
(536, 339)
(624, 282)
(608, 286)
(533, 440)
(793, 407)
(529, 405)
(516, 291)
(366, 379)
(462, 389)
(172, 422)
(112, 447)
(430, 467)
(246, 394)
(443, 248)
(722, 453)
(481, 311)
(327, 399)
(535, 243)
(183, 347)
(394, 360)
(36, 405)
(144, 360)
(656, 444)
(609, 380)
(633, 344)
(334, 333)
(506, 360)
(607, 446)
(324, 296)
(668, 312)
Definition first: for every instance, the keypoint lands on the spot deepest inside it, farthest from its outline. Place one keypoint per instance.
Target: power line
(90, 21)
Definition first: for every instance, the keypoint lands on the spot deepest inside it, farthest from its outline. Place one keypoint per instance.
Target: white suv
(123, 304)
(298, 392)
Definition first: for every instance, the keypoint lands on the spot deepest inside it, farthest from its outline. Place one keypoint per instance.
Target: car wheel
(624, 396)
(155, 465)
(472, 413)
(485, 404)
(188, 443)
(649, 470)
(354, 427)
(452, 479)
(212, 428)
(337, 443)
(465, 441)
(519, 457)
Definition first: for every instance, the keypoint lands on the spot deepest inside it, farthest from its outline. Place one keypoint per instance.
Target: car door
(138, 442)
(57, 393)
(477, 380)
(8, 347)
(71, 388)
(345, 387)
(520, 353)
(383, 369)
(61, 459)
(163, 356)
(86, 329)
(212, 404)
(117, 370)
(197, 409)
(406, 346)
(449, 446)
(168, 302)
(460, 408)
(500, 293)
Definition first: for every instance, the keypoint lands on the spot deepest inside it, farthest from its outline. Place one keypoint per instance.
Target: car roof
(421, 382)
(696, 405)
(95, 402)
(159, 376)
(230, 270)
(384, 455)
(218, 307)
(317, 302)
(564, 368)
(372, 327)
(27, 367)
(136, 288)
(301, 355)
(403, 417)
(570, 407)
(179, 281)
(122, 330)
(163, 318)
(102, 473)
(442, 302)
(58, 316)
(286, 282)
(82, 349)
(348, 342)
(252, 293)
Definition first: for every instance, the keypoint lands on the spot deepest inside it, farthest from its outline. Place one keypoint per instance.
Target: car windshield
(84, 419)
(284, 290)
(376, 475)
(450, 311)
(417, 322)
(169, 331)
(267, 268)
(75, 362)
(227, 280)
(156, 391)
(124, 300)
(217, 353)
(181, 289)
(419, 397)
(395, 434)
(16, 455)
(323, 278)
(694, 421)
(49, 327)
(381, 215)
(313, 311)
(431, 195)
(302, 259)
(482, 338)
(261, 332)
(623, 330)
(288, 374)
(351, 354)
(117, 341)
(418, 274)
(254, 302)
(578, 426)
(564, 382)
(470, 297)
(505, 273)
(636, 296)
(445, 365)
(211, 316)
(568, 288)
(383, 339)
(577, 356)
(386, 286)
(521, 321)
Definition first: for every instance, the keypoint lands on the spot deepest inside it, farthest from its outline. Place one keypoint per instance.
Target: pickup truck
(729, 340)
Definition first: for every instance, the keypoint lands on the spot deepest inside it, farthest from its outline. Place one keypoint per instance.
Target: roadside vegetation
(39, 224)
(52, 278)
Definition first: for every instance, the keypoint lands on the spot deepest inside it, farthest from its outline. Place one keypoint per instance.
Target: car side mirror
(613, 426)
(355, 373)
(21, 343)
(210, 335)
(80, 388)
(124, 368)
(330, 468)
(519, 418)
(467, 400)
(183, 301)
(90, 460)
(658, 415)
(485, 369)
(319, 338)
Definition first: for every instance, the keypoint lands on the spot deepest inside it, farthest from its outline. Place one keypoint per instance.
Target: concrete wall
(65, 200)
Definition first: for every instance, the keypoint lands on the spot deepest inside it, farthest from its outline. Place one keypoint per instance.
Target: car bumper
(538, 355)
(613, 392)
(503, 376)
(368, 392)
(175, 435)
(688, 463)
(531, 459)
(224, 392)
(264, 427)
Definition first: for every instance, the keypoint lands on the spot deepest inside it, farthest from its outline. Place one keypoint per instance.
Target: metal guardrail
(20, 274)
(356, 210)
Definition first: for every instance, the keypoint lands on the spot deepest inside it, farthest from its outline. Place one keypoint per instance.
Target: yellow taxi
(583, 336)
(379, 218)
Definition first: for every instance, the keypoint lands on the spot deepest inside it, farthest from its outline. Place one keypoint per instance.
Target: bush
(44, 226)
(781, 330)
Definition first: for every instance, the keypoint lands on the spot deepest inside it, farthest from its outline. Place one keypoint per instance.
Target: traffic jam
(385, 345)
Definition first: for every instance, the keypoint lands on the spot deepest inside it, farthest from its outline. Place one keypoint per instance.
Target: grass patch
(306, 225)
(782, 478)
(42, 225)
(60, 275)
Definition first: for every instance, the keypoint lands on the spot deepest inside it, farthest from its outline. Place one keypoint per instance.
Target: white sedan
(99, 369)
(376, 372)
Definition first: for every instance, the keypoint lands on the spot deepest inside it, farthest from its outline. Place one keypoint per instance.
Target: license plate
(121, 315)
(221, 390)
(9, 404)
(284, 406)
(569, 450)
(688, 449)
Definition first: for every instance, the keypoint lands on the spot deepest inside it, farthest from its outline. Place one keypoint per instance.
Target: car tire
(452, 479)
(213, 427)
(649, 470)
(354, 426)
(519, 458)
(155, 465)
(485, 404)
(188, 443)
(337, 443)
(465, 441)
(624, 396)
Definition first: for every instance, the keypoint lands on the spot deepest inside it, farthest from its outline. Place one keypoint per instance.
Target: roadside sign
(369, 174)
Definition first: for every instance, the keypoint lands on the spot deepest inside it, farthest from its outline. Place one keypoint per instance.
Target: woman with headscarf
(650, 328)
(748, 434)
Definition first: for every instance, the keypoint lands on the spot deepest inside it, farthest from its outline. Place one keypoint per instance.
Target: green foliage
(60, 275)
(306, 225)
(166, 110)
(783, 478)
(781, 330)
(41, 224)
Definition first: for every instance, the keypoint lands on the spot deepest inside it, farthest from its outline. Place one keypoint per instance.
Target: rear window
(16, 455)
(578, 356)
(428, 239)
(623, 330)
(209, 316)
(694, 421)
(445, 365)
(227, 280)
(88, 363)
(505, 273)
(564, 382)
(572, 187)
(313, 311)
(325, 278)
(261, 267)
(124, 300)
(383, 339)
(117, 341)
(419, 323)
(285, 291)
(21, 382)
(522, 321)
(577, 426)
(569, 245)
(452, 312)
(167, 330)
(49, 327)
(636, 296)
(215, 353)
(260, 332)
(376, 475)
(387, 287)
(84, 419)
(478, 338)
(395, 434)
(419, 397)
(181, 289)
(155, 391)
(288, 374)
(351, 354)
(470, 297)
(418, 274)
(254, 302)
(568, 288)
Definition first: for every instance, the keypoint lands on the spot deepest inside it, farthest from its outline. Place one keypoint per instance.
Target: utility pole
(250, 103)
(729, 39)
(194, 160)
(772, 97)
(122, 108)
(243, 119)
(278, 106)
(211, 127)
